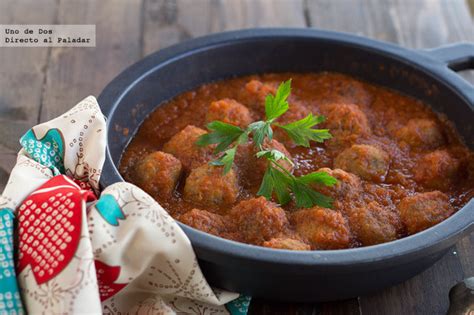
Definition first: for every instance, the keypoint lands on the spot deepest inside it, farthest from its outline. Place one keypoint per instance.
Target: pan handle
(457, 57)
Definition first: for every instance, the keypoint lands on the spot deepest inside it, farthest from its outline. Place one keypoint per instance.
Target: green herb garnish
(301, 131)
(222, 134)
(277, 179)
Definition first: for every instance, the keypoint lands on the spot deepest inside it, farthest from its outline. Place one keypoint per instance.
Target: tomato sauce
(393, 150)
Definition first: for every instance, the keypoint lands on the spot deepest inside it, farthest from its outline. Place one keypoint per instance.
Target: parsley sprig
(277, 179)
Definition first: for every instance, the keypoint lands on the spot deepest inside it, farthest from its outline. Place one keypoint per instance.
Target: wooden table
(37, 84)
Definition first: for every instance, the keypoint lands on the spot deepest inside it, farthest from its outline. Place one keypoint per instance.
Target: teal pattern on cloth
(109, 209)
(48, 151)
(10, 300)
(239, 306)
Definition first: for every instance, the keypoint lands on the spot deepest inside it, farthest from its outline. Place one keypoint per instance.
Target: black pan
(287, 275)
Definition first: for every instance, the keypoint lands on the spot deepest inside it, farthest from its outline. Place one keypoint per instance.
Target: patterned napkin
(66, 248)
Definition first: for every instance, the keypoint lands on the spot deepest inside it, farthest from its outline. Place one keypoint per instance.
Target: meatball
(286, 243)
(253, 168)
(158, 174)
(366, 161)
(423, 210)
(424, 133)
(330, 87)
(183, 146)
(207, 185)
(257, 91)
(345, 192)
(258, 220)
(346, 122)
(436, 170)
(323, 228)
(229, 111)
(374, 224)
(205, 221)
(296, 111)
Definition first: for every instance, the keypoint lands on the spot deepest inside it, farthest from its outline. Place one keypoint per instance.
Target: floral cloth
(79, 251)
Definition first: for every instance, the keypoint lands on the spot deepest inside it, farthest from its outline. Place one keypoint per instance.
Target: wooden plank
(168, 22)
(428, 24)
(7, 161)
(262, 13)
(347, 307)
(22, 73)
(262, 307)
(465, 250)
(414, 24)
(410, 23)
(75, 73)
(427, 293)
(355, 16)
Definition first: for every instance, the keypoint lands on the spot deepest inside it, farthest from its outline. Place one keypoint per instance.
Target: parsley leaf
(306, 197)
(267, 185)
(222, 134)
(260, 130)
(226, 160)
(273, 155)
(282, 190)
(301, 131)
(281, 182)
(277, 105)
(276, 180)
(320, 177)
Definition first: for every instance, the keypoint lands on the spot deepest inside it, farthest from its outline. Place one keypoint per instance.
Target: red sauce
(394, 146)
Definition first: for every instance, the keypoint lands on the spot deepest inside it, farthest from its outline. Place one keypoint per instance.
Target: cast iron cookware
(310, 276)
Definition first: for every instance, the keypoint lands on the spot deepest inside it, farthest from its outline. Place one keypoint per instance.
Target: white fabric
(156, 260)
